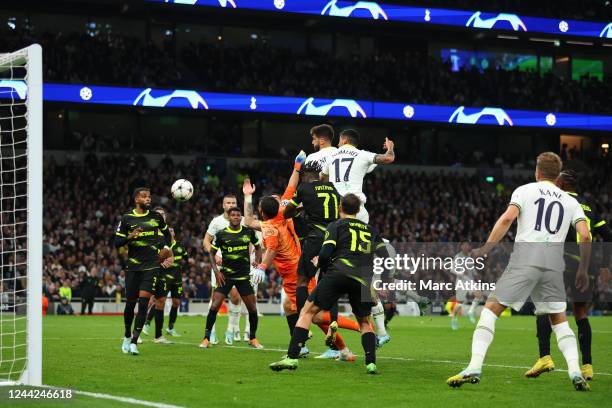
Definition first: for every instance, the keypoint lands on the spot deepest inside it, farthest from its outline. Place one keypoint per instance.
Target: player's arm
(122, 237)
(584, 242)
(294, 179)
(165, 230)
(218, 274)
(256, 247)
(328, 247)
(500, 229)
(602, 229)
(291, 209)
(207, 242)
(389, 156)
(249, 218)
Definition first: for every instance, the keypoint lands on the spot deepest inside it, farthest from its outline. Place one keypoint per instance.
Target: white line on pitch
(183, 343)
(115, 398)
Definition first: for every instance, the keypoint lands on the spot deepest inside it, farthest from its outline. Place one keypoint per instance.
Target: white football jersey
(321, 156)
(546, 212)
(219, 223)
(347, 167)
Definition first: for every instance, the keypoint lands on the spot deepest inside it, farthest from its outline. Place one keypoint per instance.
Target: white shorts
(545, 286)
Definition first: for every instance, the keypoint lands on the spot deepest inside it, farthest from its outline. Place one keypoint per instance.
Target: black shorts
(174, 284)
(151, 281)
(243, 286)
(311, 246)
(335, 285)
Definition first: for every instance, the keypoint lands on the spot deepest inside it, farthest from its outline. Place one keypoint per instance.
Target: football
(182, 190)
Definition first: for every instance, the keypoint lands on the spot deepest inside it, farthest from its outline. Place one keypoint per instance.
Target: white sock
(473, 306)
(378, 313)
(245, 313)
(233, 318)
(483, 336)
(566, 340)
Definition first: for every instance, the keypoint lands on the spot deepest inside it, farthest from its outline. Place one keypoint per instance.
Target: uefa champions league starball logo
(551, 119)
(85, 93)
(408, 111)
(279, 4)
(563, 26)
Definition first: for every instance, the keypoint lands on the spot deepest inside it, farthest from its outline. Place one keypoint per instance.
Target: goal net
(21, 216)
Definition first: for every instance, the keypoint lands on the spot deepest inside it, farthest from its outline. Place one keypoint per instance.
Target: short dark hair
(351, 135)
(311, 169)
(231, 210)
(323, 131)
(569, 178)
(139, 190)
(229, 195)
(269, 206)
(350, 204)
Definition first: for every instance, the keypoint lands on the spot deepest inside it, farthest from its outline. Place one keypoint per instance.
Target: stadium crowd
(391, 75)
(80, 216)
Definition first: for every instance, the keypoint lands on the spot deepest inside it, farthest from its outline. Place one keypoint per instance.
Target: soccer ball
(182, 190)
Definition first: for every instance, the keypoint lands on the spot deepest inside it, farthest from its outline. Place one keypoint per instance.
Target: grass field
(83, 353)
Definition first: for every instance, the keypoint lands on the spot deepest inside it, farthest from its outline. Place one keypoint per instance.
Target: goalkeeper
(233, 242)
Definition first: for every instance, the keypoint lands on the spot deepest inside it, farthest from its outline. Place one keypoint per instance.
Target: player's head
(349, 205)
(548, 166)
(466, 247)
(350, 137)
(229, 201)
(322, 136)
(268, 207)
(142, 198)
(567, 180)
(310, 172)
(160, 211)
(235, 217)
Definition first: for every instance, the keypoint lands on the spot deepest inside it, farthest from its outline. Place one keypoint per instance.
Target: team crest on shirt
(152, 223)
(269, 232)
(245, 238)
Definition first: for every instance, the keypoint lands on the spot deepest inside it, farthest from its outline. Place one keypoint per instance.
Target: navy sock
(544, 331)
(253, 320)
(210, 322)
(172, 317)
(298, 339)
(140, 318)
(368, 341)
(584, 338)
(128, 317)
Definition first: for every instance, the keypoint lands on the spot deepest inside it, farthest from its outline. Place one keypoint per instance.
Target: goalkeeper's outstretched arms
(248, 190)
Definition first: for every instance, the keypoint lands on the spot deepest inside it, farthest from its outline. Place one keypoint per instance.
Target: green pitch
(84, 353)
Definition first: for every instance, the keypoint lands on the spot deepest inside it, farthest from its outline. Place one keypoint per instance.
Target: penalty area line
(127, 400)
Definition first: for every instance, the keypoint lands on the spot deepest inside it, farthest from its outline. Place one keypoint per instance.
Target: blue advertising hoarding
(307, 106)
(388, 12)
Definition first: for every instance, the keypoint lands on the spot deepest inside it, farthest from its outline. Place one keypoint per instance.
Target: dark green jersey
(594, 221)
(180, 257)
(142, 250)
(349, 249)
(234, 247)
(320, 201)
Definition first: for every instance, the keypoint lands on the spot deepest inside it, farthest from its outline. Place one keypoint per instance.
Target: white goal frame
(32, 58)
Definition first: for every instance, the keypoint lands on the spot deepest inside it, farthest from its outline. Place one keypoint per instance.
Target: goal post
(21, 215)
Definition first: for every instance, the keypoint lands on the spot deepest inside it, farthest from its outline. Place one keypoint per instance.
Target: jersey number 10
(541, 203)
